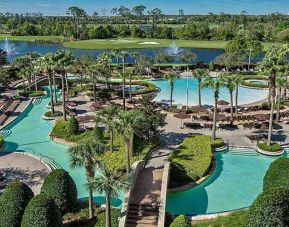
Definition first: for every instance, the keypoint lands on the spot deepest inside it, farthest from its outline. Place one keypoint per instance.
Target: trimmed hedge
(277, 175)
(56, 114)
(72, 126)
(100, 216)
(270, 148)
(194, 156)
(60, 128)
(217, 143)
(181, 221)
(60, 186)
(271, 208)
(32, 94)
(1, 141)
(13, 202)
(42, 211)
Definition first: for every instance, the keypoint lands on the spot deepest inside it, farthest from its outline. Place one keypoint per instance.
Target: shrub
(270, 148)
(13, 202)
(194, 156)
(98, 132)
(1, 141)
(100, 214)
(41, 211)
(277, 174)
(72, 126)
(32, 94)
(181, 221)
(217, 143)
(56, 114)
(270, 209)
(60, 128)
(60, 186)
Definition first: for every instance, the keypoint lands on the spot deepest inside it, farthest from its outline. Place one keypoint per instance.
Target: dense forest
(139, 22)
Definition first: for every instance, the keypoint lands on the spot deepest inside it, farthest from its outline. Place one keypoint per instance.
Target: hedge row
(270, 148)
(32, 94)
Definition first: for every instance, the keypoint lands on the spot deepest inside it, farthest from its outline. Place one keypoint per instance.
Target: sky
(58, 7)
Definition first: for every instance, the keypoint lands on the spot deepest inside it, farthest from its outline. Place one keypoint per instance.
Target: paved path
(24, 168)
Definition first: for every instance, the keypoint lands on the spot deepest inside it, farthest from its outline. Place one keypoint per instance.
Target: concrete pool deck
(23, 168)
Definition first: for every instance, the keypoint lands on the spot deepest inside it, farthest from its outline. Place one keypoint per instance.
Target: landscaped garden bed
(32, 94)
(274, 149)
(49, 116)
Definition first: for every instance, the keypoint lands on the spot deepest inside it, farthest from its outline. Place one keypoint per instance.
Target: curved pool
(29, 132)
(235, 183)
(246, 95)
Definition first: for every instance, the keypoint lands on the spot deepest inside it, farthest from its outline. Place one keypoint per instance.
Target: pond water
(246, 95)
(22, 47)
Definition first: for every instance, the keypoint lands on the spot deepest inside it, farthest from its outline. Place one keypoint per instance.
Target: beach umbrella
(262, 117)
(222, 103)
(219, 117)
(182, 116)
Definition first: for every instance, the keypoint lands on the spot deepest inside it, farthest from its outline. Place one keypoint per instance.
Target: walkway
(144, 205)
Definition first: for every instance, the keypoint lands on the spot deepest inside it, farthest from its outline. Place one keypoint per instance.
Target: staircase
(144, 215)
(5, 133)
(242, 151)
(37, 101)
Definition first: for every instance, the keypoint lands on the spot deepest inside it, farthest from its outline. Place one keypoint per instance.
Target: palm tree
(281, 82)
(130, 72)
(93, 70)
(229, 83)
(105, 60)
(85, 155)
(108, 116)
(187, 57)
(116, 54)
(123, 54)
(109, 183)
(63, 59)
(171, 77)
(46, 65)
(200, 75)
(127, 123)
(237, 79)
(25, 73)
(214, 84)
(274, 64)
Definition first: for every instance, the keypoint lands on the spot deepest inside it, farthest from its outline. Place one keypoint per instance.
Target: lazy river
(29, 132)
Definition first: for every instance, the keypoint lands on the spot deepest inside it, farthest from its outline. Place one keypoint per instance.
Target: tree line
(139, 22)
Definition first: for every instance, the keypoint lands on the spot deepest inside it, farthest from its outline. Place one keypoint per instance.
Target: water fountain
(9, 48)
(174, 50)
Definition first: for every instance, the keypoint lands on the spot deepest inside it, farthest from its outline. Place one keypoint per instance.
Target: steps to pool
(5, 133)
(242, 151)
(37, 101)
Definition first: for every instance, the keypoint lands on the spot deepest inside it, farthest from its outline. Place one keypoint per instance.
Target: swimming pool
(246, 95)
(29, 132)
(235, 183)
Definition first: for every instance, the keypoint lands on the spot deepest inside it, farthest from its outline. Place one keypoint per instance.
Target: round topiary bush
(60, 186)
(41, 211)
(277, 175)
(181, 221)
(72, 126)
(13, 202)
(271, 208)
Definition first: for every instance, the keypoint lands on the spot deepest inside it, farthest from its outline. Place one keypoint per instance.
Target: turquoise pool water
(30, 133)
(235, 183)
(246, 95)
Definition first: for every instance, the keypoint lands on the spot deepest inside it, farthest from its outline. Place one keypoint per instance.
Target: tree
(108, 183)
(94, 71)
(273, 64)
(42, 211)
(155, 15)
(3, 58)
(229, 60)
(13, 202)
(77, 13)
(108, 116)
(187, 57)
(162, 57)
(181, 221)
(63, 61)
(215, 85)
(229, 83)
(281, 82)
(200, 75)
(127, 123)
(46, 65)
(237, 79)
(59, 185)
(171, 77)
(105, 60)
(84, 155)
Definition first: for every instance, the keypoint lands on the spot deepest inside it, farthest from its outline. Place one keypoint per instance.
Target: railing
(5, 133)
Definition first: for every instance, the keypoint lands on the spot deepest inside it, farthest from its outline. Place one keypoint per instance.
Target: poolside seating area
(7, 107)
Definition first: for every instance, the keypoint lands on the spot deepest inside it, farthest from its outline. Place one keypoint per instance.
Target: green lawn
(235, 219)
(141, 44)
(33, 38)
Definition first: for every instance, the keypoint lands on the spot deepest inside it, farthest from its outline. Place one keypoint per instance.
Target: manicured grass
(234, 219)
(54, 39)
(130, 43)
